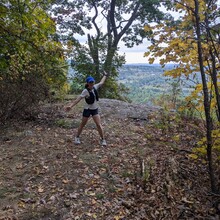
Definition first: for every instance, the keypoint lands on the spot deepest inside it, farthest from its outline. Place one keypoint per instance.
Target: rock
(122, 110)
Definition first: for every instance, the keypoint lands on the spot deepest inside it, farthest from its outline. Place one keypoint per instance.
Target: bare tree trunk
(215, 83)
(213, 70)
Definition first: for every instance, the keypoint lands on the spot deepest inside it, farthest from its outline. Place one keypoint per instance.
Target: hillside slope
(147, 83)
(145, 172)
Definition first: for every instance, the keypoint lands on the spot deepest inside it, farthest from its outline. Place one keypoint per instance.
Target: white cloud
(134, 54)
(135, 57)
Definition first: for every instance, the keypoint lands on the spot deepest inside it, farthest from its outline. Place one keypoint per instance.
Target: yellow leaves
(118, 217)
(151, 60)
(21, 204)
(197, 93)
(174, 73)
(185, 59)
(216, 140)
(176, 137)
(216, 133)
(151, 47)
(70, 44)
(162, 61)
(147, 28)
(146, 54)
(199, 87)
(193, 156)
(202, 10)
(66, 87)
(178, 6)
(201, 150)
(181, 109)
(176, 42)
(213, 103)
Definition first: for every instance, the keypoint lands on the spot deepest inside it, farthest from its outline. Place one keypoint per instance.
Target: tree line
(31, 57)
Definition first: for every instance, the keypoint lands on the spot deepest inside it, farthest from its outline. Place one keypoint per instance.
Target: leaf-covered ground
(145, 172)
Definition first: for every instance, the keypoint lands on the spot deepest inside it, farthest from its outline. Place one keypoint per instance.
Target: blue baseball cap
(90, 79)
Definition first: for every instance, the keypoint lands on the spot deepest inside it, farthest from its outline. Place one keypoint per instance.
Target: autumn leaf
(65, 181)
(193, 156)
(40, 189)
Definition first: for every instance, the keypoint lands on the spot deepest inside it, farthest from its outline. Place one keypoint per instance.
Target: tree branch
(112, 18)
(94, 22)
(130, 20)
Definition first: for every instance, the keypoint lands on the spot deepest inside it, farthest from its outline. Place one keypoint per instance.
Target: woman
(90, 109)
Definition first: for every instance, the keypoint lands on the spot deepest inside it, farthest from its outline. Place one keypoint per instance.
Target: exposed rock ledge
(121, 109)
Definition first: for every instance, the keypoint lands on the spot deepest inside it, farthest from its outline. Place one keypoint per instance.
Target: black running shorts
(88, 112)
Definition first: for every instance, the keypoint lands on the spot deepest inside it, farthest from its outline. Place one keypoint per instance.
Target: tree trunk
(207, 105)
(109, 58)
(94, 52)
(215, 83)
(113, 35)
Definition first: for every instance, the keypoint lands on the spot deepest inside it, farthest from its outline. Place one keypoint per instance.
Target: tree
(106, 24)
(31, 59)
(193, 43)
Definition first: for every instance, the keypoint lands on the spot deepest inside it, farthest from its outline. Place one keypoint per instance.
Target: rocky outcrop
(121, 109)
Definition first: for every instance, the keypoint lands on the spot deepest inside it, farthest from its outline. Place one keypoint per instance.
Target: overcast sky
(135, 54)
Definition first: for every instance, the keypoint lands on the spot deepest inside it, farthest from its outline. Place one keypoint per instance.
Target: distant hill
(147, 82)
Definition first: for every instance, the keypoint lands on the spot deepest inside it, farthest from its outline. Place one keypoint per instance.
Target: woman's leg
(97, 121)
(82, 125)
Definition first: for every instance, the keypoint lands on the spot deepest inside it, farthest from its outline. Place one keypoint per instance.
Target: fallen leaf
(65, 181)
(40, 189)
(187, 201)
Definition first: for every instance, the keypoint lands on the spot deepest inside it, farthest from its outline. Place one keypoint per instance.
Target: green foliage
(75, 87)
(31, 61)
(63, 123)
(83, 67)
